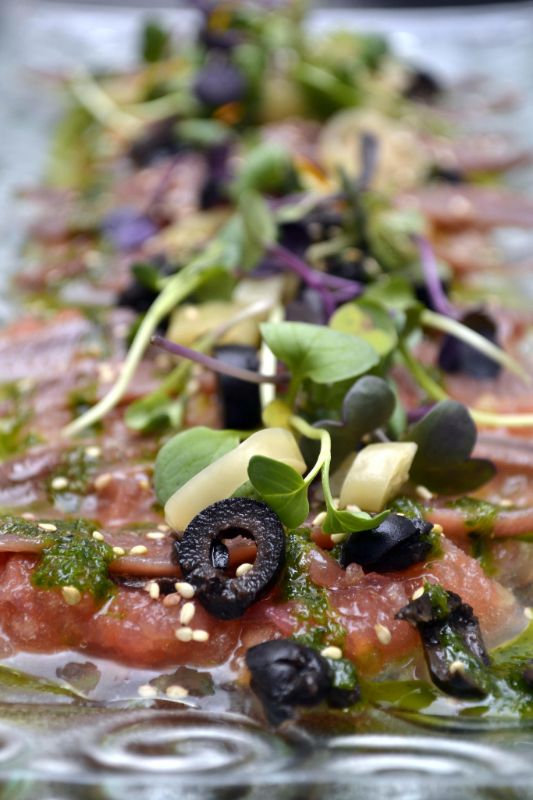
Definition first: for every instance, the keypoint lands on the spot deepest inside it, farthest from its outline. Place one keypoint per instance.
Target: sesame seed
(424, 493)
(418, 593)
(170, 600)
(146, 691)
(106, 373)
(353, 509)
(383, 633)
(528, 612)
(176, 691)
(47, 526)
(163, 528)
(71, 595)
(336, 538)
(336, 503)
(319, 519)
(438, 529)
(187, 613)
(119, 551)
(156, 535)
(331, 652)
(101, 481)
(28, 515)
(98, 536)
(199, 635)
(154, 590)
(184, 634)
(93, 451)
(60, 482)
(186, 590)
(243, 569)
(138, 550)
(143, 482)
(506, 503)
(456, 666)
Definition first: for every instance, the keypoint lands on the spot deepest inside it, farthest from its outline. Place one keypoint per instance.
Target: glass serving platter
(76, 727)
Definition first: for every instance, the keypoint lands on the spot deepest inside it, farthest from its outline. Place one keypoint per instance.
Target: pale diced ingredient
(377, 475)
(224, 476)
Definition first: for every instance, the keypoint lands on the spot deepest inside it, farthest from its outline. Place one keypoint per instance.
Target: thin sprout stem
(432, 277)
(486, 418)
(215, 364)
(101, 106)
(420, 375)
(268, 362)
(176, 290)
(324, 456)
(455, 328)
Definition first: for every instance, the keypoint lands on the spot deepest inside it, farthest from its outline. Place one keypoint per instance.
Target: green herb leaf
(369, 320)
(186, 454)
(258, 220)
(446, 437)
(266, 169)
(350, 522)
(319, 353)
(155, 411)
(155, 42)
(202, 133)
(147, 275)
(281, 487)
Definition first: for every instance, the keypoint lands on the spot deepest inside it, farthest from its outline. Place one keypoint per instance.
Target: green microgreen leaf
(147, 275)
(446, 437)
(339, 521)
(319, 353)
(266, 169)
(155, 42)
(393, 292)
(369, 320)
(258, 220)
(282, 488)
(202, 133)
(154, 411)
(186, 454)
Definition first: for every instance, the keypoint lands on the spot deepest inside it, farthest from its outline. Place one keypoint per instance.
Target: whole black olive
(395, 544)
(458, 357)
(241, 406)
(219, 82)
(286, 674)
(198, 552)
(438, 626)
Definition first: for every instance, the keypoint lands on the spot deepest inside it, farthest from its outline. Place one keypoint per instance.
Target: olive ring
(198, 554)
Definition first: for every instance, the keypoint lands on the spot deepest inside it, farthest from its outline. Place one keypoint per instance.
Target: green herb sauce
(479, 514)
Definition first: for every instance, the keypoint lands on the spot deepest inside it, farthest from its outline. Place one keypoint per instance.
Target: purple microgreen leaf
(127, 229)
(430, 270)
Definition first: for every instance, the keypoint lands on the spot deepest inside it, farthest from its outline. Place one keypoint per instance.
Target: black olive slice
(285, 675)
(219, 82)
(456, 356)
(395, 544)
(453, 645)
(225, 596)
(241, 406)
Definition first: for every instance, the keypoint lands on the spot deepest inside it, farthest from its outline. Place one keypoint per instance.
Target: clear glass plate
(82, 731)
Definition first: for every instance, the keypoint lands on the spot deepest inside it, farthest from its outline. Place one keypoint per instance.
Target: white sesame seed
(106, 373)
(336, 538)
(353, 509)
(383, 633)
(456, 666)
(93, 451)
(103, 480)
(336, 503)
(138, 550)
(47, 526)
(528, 612)
(170, 600)
(506, 503)
(331, 652)
(71, 595)
(187, 613)
(418, 593)
(155, 535)
(143, 482)
(154, 590)
(163, 528)
(199, 635)
(147, 691)
(186, 590)
(60, 482)
(243, 569)
(98, 536)
(438, 529)
(176, 691)
(28, 515)
(184, 634)
(119, 551)
(319, 519)
(424, 493)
